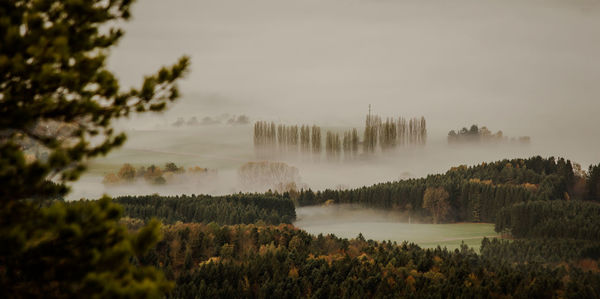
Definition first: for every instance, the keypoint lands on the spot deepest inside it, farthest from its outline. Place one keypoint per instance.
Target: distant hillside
(474, 193)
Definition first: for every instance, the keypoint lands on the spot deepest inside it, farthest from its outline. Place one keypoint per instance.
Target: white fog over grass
(226, 148)
(528, 68)
(347, 221)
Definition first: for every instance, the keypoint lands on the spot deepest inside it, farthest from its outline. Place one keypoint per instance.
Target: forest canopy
(254, 261)
(59, 102)
(229, 209)
(476, 193)
(484, 135)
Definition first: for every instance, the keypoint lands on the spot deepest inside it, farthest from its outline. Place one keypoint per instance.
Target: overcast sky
(528, 67)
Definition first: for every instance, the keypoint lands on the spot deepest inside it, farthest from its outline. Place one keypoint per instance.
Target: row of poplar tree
(393, 132)
(269, 137)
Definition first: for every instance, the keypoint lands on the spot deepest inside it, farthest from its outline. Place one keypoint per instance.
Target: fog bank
(348, 221)
(523, 67)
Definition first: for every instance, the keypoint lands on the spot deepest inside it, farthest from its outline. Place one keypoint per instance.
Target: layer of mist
(523, 66)
(528, 68)
(349, 220)
(225, 149)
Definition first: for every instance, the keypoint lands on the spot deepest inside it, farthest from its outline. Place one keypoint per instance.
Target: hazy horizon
(524, 67)
(528, 68)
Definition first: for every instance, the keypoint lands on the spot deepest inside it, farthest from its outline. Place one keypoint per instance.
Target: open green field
(381, 225)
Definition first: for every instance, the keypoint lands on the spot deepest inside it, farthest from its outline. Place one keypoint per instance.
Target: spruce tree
(593, 183)
(56, 95)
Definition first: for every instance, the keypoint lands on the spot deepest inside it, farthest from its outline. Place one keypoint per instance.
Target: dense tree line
(305, 139)
(229, 209)
(156, 175)
(551, 219)
(592, 186)
(253, 261)
(542, 251)
(483, 134)
(333, 146)
(370, 135)
(377, 134)
(476, 193)
(287, 138)
(315, 139)
(556, 232)
(390, 134)
(342, 146)
(269, 137)
(350, 143)
(265, 134)
(556, 252)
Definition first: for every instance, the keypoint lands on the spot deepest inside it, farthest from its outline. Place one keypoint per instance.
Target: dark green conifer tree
(56, 95)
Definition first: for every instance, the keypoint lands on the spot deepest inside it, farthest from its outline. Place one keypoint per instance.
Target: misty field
(226, 148)
(348, 221)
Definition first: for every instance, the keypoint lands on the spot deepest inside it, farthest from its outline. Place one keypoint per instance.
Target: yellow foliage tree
(436, 201)
(126, 173)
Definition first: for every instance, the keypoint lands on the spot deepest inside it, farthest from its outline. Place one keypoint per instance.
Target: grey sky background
(528, 67)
